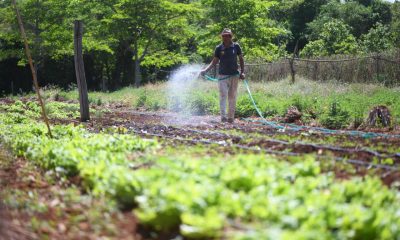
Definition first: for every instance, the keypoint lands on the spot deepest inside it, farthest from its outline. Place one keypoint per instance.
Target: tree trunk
(138, 76)
(108, 74)
(80, 71)
(115, 83)
(128, 67)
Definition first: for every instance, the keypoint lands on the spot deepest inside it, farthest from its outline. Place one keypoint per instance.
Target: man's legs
(228, 91)
(232, 95)
(223, 86)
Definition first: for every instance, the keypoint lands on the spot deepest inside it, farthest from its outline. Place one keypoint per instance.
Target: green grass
(313, 99)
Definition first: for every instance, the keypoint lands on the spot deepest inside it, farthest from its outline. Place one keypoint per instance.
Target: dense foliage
(127, 42)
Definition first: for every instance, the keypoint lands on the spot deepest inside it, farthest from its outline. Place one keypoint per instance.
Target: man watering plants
(227, 54)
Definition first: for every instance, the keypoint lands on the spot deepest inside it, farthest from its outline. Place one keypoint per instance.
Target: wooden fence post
(292, 71)
(80, 71)
(291, 62)
(315, 72)
(377, 66)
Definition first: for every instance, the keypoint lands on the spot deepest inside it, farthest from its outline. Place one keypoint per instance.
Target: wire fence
(382, 68)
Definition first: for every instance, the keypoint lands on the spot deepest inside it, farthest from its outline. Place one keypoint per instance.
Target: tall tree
(120, 35)
(395, 24)
(359, 16)
(258, 34)
(379, 38)
(11, 45)
(335, 38)
(297, 14)
(151, 32)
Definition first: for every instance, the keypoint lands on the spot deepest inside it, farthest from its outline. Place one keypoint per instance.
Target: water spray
(180, 84)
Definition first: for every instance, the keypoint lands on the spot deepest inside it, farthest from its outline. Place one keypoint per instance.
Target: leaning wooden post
(34, 75)
(80, 71)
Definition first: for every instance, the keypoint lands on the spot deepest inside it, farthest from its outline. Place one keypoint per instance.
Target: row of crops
(235, 196)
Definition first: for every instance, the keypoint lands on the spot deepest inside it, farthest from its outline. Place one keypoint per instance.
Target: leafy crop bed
(194, 177)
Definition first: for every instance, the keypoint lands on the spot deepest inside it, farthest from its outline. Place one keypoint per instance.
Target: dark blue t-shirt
(228, 58)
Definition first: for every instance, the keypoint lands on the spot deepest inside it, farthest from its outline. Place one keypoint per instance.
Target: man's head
(226, 35)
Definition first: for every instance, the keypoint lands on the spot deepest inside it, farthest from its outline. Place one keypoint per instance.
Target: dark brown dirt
(208, 129)
(10, 227)
(19, 175)
(257, 137)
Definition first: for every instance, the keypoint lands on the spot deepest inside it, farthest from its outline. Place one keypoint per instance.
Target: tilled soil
(365, 156)
(376, 155)
(28, 188)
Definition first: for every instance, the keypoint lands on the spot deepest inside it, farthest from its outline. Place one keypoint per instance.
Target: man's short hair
(226, 31)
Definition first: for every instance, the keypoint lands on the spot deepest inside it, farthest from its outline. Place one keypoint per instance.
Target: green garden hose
(294, 127)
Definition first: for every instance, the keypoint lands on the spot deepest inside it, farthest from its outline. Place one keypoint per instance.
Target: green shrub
(336, 117)
(244, 107)
(142, 99)
(201, 103)
(150, 100)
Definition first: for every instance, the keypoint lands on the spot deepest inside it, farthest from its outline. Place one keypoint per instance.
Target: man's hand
(242, 76)
(203, 72)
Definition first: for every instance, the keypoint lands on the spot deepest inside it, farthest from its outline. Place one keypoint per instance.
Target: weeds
(244, 107)
(313, 99)
(336, 117)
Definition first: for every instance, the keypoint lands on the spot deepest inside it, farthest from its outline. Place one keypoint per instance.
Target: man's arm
(213, 63)
(241, 62)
